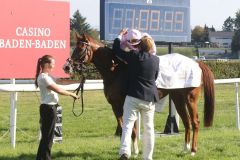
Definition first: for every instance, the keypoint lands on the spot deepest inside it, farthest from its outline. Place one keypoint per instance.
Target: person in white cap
(132, 38)
(141, 91)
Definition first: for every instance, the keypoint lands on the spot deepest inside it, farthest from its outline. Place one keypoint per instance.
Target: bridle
(81, 69)
(87, 51)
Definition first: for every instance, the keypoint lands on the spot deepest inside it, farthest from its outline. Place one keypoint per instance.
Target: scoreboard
(164, 20)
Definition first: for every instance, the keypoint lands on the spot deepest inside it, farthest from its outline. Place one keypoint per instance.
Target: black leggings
(48, 119)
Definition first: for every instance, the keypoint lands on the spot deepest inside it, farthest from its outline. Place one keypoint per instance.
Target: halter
(87, 51)
(81, 68)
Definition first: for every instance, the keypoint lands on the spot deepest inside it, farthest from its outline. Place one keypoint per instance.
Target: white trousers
(132, 106)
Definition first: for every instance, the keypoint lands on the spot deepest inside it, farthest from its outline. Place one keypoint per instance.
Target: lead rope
(80, 87)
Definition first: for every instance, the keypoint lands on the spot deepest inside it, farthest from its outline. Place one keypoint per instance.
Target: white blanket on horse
(178, 71)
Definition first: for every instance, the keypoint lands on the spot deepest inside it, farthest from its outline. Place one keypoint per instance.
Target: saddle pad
(178, 71)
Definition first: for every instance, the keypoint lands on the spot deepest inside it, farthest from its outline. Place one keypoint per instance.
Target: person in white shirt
(49, 91)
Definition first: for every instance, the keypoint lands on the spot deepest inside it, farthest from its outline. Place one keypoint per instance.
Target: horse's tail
(209, 94)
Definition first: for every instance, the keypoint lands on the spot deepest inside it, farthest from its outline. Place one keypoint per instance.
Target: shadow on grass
(57, 156)
(85, 155)
(20, 157)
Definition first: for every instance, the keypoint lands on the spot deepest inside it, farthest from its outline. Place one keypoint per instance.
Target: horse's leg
(192, 99)
(118, 112)
(118, 131)
(180, 105)
(135, 149)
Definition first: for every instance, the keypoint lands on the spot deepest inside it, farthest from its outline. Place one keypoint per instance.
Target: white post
(237, 105)
(13, 116)
(139, 126)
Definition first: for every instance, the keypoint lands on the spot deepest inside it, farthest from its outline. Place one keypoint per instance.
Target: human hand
(74, 96)
(123, 31)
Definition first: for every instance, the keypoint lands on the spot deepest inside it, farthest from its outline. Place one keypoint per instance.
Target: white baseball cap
(134, 37)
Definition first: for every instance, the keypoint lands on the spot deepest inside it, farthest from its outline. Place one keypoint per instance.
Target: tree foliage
(212, 29)
(228, 25)
(198, 34)
(201, 34)
(78, 24)
(237, 20)
(235, 46)
(206, 33)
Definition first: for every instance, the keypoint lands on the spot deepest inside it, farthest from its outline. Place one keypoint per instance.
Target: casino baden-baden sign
(21, 41)
(164, 20)
(30, 29)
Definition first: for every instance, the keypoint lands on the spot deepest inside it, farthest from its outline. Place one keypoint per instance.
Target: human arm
(66, 81)
(56, 88)
(121, 54)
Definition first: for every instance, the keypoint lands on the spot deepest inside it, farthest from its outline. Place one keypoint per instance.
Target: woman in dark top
(141, 93)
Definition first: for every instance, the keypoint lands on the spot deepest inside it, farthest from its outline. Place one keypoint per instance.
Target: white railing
(235, 81)
(28, 86)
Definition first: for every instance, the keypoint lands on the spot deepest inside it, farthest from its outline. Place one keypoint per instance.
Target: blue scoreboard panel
(164, 20)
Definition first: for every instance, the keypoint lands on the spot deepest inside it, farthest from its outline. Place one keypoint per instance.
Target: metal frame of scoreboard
(164, 20)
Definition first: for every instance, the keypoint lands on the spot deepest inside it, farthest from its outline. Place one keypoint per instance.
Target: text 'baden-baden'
(33, 38)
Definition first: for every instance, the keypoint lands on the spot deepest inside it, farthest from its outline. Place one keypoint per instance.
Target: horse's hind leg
(180, 105)
(135, 149)
(192, 99)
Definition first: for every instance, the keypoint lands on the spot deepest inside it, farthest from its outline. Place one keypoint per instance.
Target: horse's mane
(91, 39)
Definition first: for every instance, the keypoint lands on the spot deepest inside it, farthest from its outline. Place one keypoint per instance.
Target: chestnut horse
(113, 71)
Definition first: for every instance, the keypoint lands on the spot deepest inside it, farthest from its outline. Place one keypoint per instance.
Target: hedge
(221, 70)
(225, 69)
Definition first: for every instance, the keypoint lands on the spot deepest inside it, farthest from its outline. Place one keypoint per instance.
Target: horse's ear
(85, 37)
(76, 36)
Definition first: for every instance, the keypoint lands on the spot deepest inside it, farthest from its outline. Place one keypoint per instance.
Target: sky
(209, 12)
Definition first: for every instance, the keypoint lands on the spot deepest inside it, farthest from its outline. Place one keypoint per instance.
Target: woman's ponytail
(37, 71)
(40, 64)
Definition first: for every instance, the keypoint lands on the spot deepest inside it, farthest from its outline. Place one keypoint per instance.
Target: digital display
(167, 21)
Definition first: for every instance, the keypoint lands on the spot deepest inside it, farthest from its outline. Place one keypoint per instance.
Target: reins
(80, 87)
(82, 81)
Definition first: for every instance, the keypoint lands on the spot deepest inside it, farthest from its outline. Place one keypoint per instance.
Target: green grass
(91, 136)
(187, 51)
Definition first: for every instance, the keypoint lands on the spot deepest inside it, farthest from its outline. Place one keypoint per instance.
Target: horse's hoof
(187, 147)
(135, 155)
(193, 153)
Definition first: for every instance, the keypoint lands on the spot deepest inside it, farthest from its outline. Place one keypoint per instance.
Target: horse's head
(82, 54)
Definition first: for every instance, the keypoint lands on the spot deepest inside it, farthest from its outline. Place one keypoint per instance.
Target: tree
(228, 25)
(212, 29)
(235, 46)
(198, 34)
(237, 20)
(206, 33)
(78, 24)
